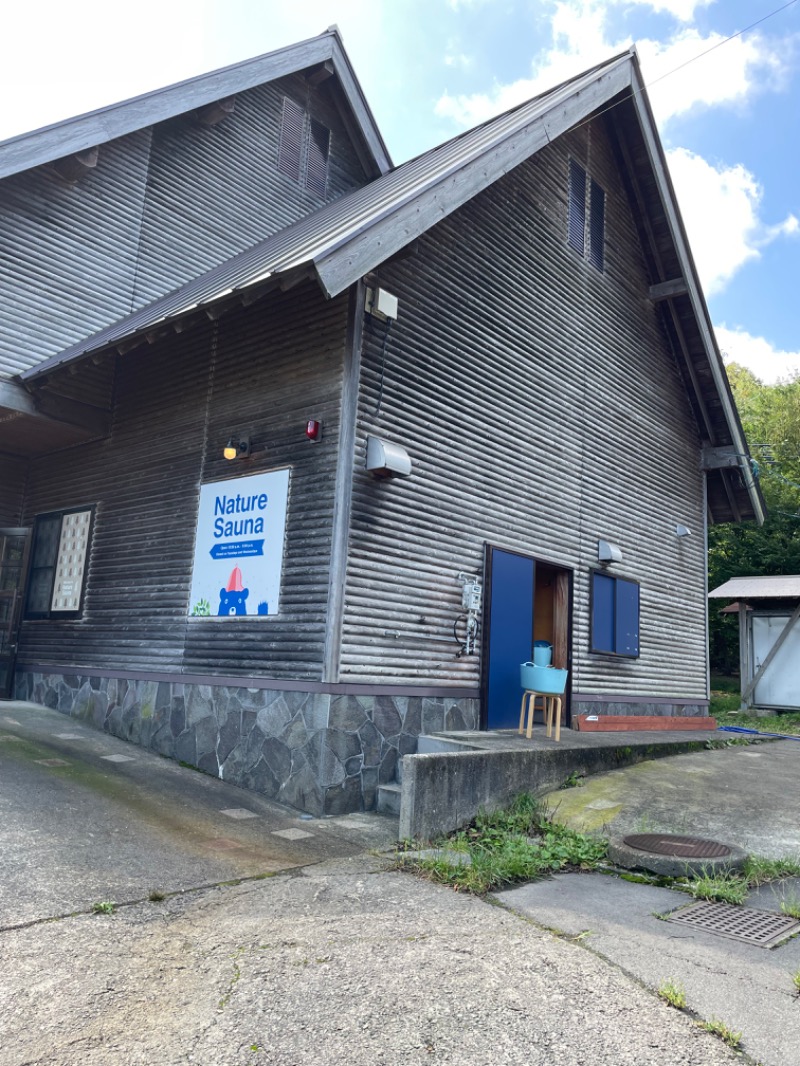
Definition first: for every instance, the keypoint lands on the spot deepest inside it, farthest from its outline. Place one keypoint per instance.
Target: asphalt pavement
(235, 932)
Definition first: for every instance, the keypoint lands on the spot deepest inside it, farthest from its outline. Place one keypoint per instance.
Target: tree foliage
(771, 418)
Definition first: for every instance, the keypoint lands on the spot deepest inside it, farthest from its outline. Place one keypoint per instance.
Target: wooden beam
(773, 651)
(51, 407)
(73, 167)
(214, 113)
(320, 74)
(665, 289)
(57, 408)
(719, 458)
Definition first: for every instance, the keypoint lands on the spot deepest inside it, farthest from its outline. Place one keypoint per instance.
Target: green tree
(771, 419)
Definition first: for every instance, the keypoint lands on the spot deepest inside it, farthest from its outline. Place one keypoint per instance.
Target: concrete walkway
(334, 959)
(744, 796)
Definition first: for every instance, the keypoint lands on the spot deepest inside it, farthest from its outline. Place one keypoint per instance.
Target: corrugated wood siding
(12, 488)
(214, 192)
(153, 214)
(260, 371)
(68, 252)
(542, 408)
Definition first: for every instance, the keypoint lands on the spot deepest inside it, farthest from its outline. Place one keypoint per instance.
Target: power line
(725, 40)
(719, 44)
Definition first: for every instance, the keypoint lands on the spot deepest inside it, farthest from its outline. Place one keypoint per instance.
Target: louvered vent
(289, 152)
(577, 206)
(597, 225)
(319, 144)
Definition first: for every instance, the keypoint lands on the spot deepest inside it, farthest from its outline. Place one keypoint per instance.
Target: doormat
(764, 929)
(639, 723)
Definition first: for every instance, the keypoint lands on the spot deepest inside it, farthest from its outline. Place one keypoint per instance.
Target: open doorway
(527, 599)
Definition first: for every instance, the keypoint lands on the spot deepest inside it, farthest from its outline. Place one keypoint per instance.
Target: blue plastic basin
(546, 679)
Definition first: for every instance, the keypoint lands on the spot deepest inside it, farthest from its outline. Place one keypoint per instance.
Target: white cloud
(721, 209)
(683, 10)
(581, 39)
(768, 363)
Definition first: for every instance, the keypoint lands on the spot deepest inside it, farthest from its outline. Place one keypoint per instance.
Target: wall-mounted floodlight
(608, 553)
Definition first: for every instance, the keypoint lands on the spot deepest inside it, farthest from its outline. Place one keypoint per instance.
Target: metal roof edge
(550, 101)
(76, 134)
(683, 251)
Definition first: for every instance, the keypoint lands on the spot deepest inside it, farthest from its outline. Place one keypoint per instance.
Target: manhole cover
(681, 847)
(765, 929)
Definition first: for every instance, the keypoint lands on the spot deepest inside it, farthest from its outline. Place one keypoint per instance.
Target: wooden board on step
(639, 723)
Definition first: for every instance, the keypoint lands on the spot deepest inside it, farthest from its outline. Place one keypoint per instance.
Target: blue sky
(729, 120)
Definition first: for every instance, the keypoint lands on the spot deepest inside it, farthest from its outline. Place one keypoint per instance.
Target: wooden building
(471, 401)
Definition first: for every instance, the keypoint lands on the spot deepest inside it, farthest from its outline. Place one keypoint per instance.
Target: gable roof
(346, 239)
(783, 586)
(116, 120)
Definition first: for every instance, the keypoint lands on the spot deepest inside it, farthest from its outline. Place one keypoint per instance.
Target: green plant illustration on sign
(202, 609)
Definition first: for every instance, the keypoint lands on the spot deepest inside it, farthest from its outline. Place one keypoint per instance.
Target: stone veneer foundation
(321, 753)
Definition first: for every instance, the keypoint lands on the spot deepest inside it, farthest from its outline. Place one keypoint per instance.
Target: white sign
(238, 552)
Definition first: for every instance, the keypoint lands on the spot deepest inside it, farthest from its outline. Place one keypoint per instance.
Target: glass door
(14, 544)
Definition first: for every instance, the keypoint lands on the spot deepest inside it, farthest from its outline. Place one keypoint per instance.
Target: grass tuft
(673, 992)
(521, 842)
(103, 907)
(723, 1031)
(721, 887)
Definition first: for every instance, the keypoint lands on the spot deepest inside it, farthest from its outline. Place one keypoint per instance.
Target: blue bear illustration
(231, 599)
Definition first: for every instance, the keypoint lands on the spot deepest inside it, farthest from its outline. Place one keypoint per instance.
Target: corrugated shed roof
(316, 238)
(782, 586)
(116, 120)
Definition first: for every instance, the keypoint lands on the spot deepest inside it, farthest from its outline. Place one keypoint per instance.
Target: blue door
(509, 637)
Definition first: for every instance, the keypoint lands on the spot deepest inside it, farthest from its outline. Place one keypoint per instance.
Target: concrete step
(389, 798)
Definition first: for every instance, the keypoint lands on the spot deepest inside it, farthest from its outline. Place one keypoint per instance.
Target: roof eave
(694, 291)
(105, 124)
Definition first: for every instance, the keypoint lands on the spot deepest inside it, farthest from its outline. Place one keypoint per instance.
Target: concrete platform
(454, 775)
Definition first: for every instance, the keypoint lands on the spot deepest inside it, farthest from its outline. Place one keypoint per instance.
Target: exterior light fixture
(236, 448)
(682, 531)
(314, 429)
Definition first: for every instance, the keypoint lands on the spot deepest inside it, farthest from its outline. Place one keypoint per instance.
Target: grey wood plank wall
(161, 206)
(543, 409)
(13, 473)
(260, 371)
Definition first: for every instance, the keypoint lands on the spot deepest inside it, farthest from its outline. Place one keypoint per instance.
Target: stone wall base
(320, 753)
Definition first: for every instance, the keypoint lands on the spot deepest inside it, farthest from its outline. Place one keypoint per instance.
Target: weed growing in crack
(723, 1031)
(522, 842)
(673, 992)
(103, 907)
(721, 887)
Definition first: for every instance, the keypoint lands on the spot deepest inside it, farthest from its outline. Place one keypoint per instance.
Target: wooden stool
(551, 707)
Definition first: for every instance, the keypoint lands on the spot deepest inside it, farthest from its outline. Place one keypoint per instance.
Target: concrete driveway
(88, 818)
(336, 960)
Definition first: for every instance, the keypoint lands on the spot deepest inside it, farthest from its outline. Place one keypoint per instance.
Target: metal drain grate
(683, 847)
(764, 929)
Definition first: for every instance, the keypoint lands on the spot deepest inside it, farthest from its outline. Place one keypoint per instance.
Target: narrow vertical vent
(597, 225)
(319, 144)
(577, 207)
(290, 150)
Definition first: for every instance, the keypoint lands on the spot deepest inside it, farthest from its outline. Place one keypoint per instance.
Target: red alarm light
(314, 429)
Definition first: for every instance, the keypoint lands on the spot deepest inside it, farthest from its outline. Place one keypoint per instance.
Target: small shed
(769, 638)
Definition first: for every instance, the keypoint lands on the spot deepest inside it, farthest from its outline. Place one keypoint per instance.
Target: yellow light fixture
(236, 449)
